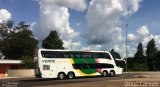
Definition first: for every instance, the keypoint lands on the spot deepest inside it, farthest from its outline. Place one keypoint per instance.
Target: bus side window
(71, 55)
(66, 55)
(83, 55)
(78, 55)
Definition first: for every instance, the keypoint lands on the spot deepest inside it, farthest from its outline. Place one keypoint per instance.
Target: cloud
(143, 33)
(78, 5)
(103, 19)
(103, 25)
(143, 30)
(144, 37)
(54, 15)
(132, 38)
(121, 49)
(5, 15)
(69, 44)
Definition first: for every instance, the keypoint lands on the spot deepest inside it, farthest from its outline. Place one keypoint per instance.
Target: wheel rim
(61, 76)
(112, 73)
(104, 74)
(71, 75)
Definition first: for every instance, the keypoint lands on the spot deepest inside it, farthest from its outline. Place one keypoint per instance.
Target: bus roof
(71, 50)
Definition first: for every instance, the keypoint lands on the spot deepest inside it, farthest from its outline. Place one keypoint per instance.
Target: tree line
(145, 60)
(19, 42)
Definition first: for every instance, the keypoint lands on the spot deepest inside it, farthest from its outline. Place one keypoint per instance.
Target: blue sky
(28, 10)
(147, 16)
(21, 10)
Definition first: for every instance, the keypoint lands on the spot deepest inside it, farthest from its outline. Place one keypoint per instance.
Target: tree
(139, 67)
(52, 41)
(112, 51)
(151, 48)
(28, 62)
(19, 42)
(139, 57)
(151, 54)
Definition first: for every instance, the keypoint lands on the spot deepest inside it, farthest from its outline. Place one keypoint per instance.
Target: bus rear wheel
(61, 76)
(71, 75)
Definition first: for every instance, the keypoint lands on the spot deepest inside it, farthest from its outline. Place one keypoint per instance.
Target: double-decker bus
(70, 64)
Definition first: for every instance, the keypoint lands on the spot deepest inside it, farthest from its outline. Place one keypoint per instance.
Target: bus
(63, 64)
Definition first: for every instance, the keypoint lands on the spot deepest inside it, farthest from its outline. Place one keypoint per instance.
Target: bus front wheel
(112, 73)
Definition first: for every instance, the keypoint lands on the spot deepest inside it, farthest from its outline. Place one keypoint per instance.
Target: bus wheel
(112, 73)
(104, 73)
(71, 75)
(61, 76)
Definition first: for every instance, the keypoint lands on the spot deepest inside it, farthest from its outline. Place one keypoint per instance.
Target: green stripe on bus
(85, 60)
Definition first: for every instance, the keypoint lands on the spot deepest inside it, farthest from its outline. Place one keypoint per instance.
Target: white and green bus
(70, 64)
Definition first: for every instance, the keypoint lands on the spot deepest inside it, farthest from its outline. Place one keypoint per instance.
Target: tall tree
(19, 42)
(151, 47)
(52, 41)
(139, 57)
(151, 54)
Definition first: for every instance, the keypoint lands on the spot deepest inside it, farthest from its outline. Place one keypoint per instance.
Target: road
(117, 81)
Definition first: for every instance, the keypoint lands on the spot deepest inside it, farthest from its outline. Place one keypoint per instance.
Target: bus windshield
(115, 55)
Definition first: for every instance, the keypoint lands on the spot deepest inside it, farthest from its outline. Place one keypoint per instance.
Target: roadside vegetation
(145, 60)
(19, 42)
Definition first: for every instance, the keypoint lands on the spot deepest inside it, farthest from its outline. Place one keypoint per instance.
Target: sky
(89, 24)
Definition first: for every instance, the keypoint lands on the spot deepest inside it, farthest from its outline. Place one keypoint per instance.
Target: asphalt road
(32, 82)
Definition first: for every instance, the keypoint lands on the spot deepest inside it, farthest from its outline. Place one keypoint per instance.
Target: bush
(28, 62)
(139, 67)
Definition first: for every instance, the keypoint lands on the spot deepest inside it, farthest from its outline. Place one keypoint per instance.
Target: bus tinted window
(53, 54)
(92, 66)
(116, 55)
(86, 55)
(101, 55)
(120, 63)
(73, 54)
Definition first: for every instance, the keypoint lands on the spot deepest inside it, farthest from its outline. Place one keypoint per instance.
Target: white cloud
(78, 5)
(54, 15)
(144, 37)
(121, 49)
(132, 38)
(117, 34)
(103, 24)
(103, 18)
(143, 30)
(5, 15)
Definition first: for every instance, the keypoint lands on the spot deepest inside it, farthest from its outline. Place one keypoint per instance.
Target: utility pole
(126, 47)
(126, 41)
